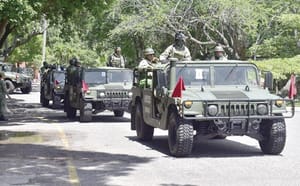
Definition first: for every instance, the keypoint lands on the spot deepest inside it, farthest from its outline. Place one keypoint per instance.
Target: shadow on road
(212, 148)
(33, 164)
(22, 112)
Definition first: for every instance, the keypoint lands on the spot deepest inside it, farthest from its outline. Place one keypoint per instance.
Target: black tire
(27, 89)
(9, 86)
(180, 136)
(119, 113)
(220, 136)
(56, 101)
(274, 136)
(144, 132)
(86, 112)
(132, 118)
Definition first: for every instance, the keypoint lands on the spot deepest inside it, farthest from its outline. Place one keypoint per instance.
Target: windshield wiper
(230, 72)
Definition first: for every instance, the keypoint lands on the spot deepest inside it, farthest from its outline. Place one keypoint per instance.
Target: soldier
(70, 70)
(3, 93)
(78, 72)
(219, 54)
(177, 50)
(116, 59)
(44, 67)
(149, 59)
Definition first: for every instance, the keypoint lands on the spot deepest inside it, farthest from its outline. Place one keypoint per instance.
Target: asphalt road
(39, 146)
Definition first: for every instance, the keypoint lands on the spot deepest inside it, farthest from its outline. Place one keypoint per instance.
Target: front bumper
(237, 109)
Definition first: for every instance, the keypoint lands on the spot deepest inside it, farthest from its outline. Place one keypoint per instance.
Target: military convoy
(15, 80)
(52, 87)
(206, 100)
(97, 89)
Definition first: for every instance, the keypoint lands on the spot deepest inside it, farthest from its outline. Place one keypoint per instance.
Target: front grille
(237, 109)
(116, 94)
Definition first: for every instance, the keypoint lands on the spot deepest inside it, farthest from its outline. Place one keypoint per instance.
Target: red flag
(293, 88)
(177, 92)
(85, 86)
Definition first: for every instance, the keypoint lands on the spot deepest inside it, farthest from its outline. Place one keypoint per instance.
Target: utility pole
(44, 38)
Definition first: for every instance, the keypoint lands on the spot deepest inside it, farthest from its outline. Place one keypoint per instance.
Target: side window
(159, 79)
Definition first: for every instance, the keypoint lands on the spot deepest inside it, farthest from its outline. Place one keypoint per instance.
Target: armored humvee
(52, 87)
(98, 89)
(208, 99)
(14, 80)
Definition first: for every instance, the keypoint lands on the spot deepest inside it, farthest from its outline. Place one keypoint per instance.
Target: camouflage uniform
(147, 62)
(70, 72)
(44, 67)
(116, 59)
(3, 93)
(177, 50)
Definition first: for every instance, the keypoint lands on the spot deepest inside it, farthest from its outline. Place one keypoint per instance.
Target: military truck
(96, 90)
(52, 87)
(14, 80)
(197, 100)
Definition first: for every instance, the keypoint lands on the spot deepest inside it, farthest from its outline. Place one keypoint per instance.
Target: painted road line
(73, 177)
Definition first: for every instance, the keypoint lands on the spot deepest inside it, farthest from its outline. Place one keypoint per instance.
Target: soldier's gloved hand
(155, 60)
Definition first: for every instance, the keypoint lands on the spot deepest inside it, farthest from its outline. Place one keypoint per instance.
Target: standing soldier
(70, 70)
(219, 54)
(177, 50)
(44, 67)
(3, 93)
(116, 59)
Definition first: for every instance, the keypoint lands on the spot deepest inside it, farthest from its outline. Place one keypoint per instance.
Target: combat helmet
(219, 49)
(179, 36)
(148, 51)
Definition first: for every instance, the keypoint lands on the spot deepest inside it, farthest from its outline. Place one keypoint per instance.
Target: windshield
(235, 75)
(117, 76)
(95, 77)
(59, 76)
(223, 75)
(194, 75)
(6, 68)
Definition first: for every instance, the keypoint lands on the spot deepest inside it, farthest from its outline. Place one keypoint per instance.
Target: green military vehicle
(95, 90)
(206, 100)
(14, 80)
(52, 87)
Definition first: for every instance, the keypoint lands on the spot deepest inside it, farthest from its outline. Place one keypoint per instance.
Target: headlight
(212, 110)
(102, 94)
(188, 104)
(279, 103)
(130, 94)
(262, 109)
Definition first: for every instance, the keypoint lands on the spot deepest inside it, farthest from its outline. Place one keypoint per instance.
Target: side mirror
(268, 80)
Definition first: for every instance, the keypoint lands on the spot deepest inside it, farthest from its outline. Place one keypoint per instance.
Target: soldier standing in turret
(219, 54)
(177, 50)
(116, 59)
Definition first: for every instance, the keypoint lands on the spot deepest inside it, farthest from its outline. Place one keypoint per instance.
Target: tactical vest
(179, 54)
(117, 61)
